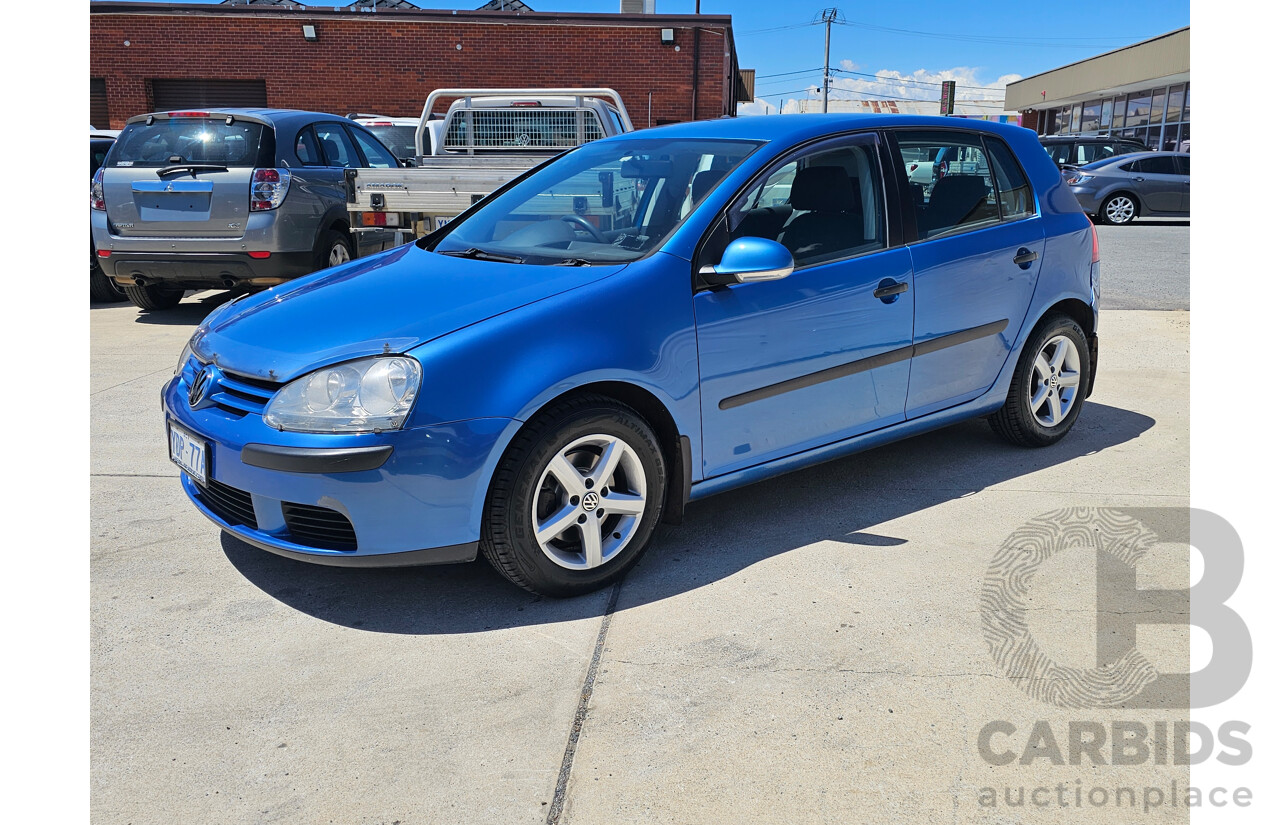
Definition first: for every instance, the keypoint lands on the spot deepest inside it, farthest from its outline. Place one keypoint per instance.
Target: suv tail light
(95, 192)
(268, 189)
(1096, 256)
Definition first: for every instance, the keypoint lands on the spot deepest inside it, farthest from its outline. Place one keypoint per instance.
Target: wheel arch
(1080, 312)
(1138, 206)
(676, 446)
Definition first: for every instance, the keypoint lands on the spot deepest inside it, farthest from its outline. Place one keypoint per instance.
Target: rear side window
(1184, 165)
(1060, 152)
(188, 140)
(1011, 184)
(957, 193)
(336, 146)
(376, 156)
(1154, 166)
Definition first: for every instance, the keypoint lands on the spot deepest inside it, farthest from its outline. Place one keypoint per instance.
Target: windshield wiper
(574, 262)
(190, 167)
(481, 255)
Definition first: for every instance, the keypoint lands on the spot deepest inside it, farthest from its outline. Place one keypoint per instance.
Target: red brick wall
(388, 64)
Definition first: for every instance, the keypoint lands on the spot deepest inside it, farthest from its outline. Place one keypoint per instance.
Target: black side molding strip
(884, 359)
(315, 459)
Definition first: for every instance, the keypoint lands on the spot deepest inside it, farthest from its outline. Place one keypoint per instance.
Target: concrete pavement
(809, 649)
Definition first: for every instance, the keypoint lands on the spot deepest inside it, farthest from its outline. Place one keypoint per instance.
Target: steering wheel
(580, 223)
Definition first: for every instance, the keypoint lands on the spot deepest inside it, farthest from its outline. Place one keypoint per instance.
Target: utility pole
(829, 16)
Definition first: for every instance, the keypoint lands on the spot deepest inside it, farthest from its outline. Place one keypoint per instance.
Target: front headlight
(182, 359)
(368, 395)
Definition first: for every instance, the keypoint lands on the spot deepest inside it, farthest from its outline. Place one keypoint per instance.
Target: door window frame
(890, 195)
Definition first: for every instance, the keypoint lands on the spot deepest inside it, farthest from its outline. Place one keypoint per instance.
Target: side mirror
(750, 259)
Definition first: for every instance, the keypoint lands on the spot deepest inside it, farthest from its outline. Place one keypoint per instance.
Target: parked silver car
(226, 198)
(1118, 190)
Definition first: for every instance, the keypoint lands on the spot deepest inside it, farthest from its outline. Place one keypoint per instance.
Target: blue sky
(912, 46)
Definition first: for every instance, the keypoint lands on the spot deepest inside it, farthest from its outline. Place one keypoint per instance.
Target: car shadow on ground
(193, 309)
(723, 535)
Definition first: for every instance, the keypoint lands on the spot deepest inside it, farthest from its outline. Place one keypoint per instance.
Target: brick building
(152, 56)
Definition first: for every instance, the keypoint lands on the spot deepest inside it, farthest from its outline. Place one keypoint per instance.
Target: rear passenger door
(1158, 183)
(975, 254)
(792, 364)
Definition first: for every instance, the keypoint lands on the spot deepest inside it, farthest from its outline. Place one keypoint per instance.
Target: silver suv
(226, 198)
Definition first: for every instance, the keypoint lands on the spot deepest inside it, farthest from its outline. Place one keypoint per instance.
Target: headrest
(822, 189)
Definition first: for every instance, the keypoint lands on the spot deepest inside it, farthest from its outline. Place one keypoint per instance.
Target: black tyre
(1048, 387)
(1120, 208)
(154, 296)
(575, 500)
(334, 249)
(102, 290)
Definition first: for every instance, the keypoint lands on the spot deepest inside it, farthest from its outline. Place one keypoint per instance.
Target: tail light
(95, 192)
(1096, 256)
(269, 189)
(379, 218)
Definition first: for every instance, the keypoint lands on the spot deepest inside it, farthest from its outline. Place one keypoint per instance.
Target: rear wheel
(154, 296)
(334, 250)
(102, 289)
(1118, 209)
(575, 501)
(1047, 391)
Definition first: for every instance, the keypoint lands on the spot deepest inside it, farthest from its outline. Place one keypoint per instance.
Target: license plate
(189, 452)
(443, 222)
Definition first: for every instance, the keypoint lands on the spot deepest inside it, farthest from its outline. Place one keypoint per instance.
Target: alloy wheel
(1053, 389)
(589, 502)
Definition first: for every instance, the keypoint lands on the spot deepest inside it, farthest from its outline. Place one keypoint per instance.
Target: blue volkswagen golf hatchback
(641, 322)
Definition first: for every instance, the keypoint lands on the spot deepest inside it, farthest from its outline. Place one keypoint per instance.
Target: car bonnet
(388, 303)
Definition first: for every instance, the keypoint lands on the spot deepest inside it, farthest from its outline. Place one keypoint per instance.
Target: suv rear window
(188, 140)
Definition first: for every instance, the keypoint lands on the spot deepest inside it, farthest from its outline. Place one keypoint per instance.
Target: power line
(883, 79)
(1043, 42)
(798, 71)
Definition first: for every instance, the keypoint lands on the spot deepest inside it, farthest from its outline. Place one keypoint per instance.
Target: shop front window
(1157, 106)
(1117, 113)
(1075, 117)
(1091, 120)
(1175, 104)
(1139, 109)
(1106, 115)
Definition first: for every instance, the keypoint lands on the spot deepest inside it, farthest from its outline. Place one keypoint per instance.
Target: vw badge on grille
(201, 386)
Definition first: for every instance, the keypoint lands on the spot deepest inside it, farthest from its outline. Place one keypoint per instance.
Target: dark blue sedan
(643, 321)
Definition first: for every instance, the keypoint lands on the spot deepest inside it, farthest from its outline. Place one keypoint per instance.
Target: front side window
(376, 156)
(336, 146)
(609, 202)
(959, 194)
(823, 205)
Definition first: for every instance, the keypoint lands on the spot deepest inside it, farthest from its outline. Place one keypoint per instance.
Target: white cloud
(757, 107)
(920, 84)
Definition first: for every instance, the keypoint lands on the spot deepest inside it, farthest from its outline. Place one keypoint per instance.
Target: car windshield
(399, 139)
(607, 202)
(188, 140)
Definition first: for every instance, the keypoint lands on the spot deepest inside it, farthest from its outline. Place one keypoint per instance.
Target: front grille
(319, 526)
(229, 504)
(239, 395)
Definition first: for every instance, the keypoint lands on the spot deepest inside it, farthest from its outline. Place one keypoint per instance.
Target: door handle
(1139, 180)
(889, 290)
(1025, 257)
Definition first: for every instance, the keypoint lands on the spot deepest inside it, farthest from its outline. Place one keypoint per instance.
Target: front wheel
(1048, 385)
(575, 500)
(154, 296)
(1118, 209)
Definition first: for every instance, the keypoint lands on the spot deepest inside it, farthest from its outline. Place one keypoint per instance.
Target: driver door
(817, 356)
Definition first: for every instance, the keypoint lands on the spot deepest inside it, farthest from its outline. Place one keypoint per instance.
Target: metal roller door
(99, 118)
(195, 93)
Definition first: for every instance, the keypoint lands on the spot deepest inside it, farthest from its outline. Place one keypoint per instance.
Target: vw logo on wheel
(201, 386)
(590, 501)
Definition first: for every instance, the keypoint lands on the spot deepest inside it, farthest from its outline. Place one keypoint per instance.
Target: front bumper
(396, 498)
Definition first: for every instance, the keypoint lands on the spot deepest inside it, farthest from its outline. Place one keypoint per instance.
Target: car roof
(798, 127)
(273, 117)
(1088, 138)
